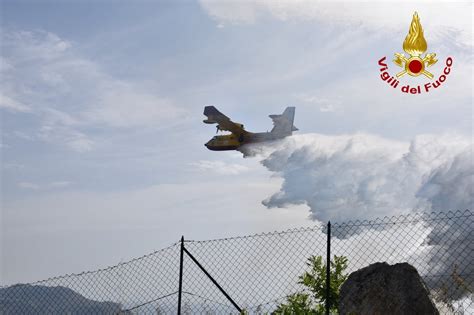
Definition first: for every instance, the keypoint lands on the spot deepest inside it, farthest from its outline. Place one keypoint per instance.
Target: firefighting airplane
(282, 127)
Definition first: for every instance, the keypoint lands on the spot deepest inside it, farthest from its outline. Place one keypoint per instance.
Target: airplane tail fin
(283, 124)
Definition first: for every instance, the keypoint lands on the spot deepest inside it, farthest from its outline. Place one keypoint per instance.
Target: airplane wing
(224, 123)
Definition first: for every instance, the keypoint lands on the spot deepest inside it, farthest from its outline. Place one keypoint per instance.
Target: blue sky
(101, 104)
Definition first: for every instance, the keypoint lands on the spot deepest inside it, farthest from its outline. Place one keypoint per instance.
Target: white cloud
(33, 46)
(44, 186)
(59, 127)
(327, 108)
(5, 65)
(13, 166)
(28, 185)
(60, 184)
(23, 135)
(13, 105)
(80, 143)
(122, 105)
(220, 167)
(436, 16)
(232, 11)
(64, 135)
(85, 97)
(325, 105)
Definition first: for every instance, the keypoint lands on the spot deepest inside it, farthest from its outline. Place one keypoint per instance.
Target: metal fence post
(180, 290)
(328, 270)
(212, 279)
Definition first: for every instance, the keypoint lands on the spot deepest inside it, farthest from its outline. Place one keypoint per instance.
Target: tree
(312, 300)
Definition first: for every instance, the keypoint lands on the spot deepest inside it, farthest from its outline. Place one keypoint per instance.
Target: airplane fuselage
(232, 142)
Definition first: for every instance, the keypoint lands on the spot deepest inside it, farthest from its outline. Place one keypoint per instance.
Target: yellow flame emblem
(415, 45)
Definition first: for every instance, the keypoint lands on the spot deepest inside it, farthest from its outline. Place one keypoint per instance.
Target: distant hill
(28, 299)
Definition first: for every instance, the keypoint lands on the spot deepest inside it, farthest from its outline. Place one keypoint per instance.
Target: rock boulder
(385, 289)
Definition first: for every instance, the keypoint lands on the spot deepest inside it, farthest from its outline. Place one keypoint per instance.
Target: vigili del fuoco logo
(415, 64)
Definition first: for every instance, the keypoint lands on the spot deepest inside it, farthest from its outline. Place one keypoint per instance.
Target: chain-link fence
(257, 273)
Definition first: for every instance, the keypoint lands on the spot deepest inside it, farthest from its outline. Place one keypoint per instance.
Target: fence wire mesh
(260, 271)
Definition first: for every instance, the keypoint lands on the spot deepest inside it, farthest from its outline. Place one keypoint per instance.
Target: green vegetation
(312, 300)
